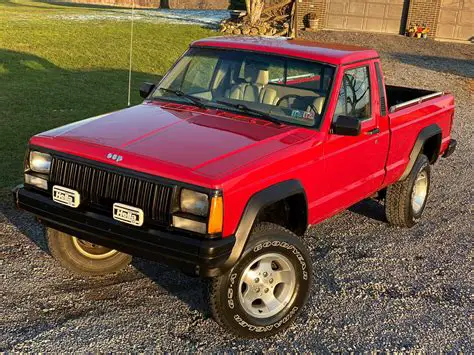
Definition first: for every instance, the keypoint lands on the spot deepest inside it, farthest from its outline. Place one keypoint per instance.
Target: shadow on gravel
(24, 222)
(190, 290)
(370, 208)
(457, 66)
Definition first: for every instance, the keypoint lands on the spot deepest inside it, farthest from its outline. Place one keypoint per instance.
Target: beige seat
(318, 104)
(254, 89)
(244, 92)
(267, 95)
(303, 104)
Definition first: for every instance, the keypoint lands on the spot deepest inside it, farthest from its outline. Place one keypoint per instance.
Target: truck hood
(206, 142)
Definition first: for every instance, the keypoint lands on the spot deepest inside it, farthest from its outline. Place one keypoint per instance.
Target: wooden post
(294, 19)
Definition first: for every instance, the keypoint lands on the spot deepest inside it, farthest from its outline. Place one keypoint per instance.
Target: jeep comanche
(242, 145)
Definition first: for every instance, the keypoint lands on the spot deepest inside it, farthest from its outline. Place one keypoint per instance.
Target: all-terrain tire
(268, 242)
(399, 199)
(73, 254)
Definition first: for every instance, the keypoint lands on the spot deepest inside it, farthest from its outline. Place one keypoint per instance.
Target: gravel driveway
(375, 288)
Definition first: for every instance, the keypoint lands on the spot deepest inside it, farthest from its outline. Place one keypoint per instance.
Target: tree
(254, 10)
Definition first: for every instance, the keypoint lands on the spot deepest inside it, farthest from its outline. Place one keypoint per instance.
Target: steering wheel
(303, 99)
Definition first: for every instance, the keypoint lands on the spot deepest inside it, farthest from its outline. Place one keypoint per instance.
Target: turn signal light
(216, 215)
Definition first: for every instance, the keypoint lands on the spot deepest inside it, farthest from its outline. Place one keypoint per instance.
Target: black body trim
(197, 256)
(451, 148)
(257, 203)
(425, 134)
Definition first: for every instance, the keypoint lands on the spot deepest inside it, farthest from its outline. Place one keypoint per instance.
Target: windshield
(290, 90)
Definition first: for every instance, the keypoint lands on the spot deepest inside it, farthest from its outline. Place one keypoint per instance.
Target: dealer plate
(66, 196)
(128, 214)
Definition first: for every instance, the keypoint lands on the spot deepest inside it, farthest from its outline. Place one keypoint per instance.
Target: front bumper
(191, 255)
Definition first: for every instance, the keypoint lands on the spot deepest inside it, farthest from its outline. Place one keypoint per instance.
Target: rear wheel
(267, 288)
(406, 200)
(83, 257)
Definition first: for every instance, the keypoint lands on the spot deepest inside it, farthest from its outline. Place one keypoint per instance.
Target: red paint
(331, 53)
(303, 80)
(243, 155)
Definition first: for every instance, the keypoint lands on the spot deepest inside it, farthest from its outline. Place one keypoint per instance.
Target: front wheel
(266, 289)
(85, 258)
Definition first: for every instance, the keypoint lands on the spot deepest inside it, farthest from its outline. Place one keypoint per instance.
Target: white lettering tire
(267, 288)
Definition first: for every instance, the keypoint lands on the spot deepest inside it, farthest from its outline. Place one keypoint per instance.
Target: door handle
(373, 131)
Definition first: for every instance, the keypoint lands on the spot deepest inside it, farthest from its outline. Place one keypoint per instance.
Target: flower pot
(418, 35)
(424, 35)
(411, 34)
(313, 23)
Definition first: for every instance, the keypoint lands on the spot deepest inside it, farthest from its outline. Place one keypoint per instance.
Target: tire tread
(215, 285)
(398, 198)
(62, 251)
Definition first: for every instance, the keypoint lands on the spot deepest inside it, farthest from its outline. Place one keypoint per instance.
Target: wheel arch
(428, 142)
(289, 189)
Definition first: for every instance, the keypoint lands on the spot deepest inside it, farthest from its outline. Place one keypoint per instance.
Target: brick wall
(424, 12)
(305, 7)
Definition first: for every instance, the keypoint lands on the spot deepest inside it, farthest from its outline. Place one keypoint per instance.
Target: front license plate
(128, 214)
(66, 196)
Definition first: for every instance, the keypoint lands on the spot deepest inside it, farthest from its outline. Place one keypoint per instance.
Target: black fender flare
(256, 203)
(425, 134)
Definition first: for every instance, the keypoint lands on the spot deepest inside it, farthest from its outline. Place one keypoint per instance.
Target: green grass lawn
(55, 71)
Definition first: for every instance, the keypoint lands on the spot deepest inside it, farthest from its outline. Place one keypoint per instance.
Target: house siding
(414, 11)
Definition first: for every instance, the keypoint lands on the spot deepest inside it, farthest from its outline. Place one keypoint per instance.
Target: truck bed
(399, 97)
(423, 108)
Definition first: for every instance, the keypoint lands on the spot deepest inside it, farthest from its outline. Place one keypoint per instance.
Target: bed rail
(419, 100)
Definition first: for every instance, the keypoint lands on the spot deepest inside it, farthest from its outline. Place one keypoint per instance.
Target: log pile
(276, 20)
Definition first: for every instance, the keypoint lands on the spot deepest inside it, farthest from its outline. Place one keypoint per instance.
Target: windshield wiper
(244, 108)
(197, 101)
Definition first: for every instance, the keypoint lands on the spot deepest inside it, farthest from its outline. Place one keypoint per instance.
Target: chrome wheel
(267, 285)
(420, 191)
(91, 250)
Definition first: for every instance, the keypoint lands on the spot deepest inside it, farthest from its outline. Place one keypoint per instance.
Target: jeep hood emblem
(116, 157)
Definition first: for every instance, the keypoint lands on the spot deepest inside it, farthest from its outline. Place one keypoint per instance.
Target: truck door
(355, 166)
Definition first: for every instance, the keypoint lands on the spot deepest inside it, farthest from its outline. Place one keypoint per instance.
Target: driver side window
(354, 95)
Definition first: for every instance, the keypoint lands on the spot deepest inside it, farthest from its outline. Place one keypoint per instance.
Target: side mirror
(346, 126)
(146, 89)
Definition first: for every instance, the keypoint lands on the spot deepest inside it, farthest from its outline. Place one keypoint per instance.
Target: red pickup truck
(243, 145)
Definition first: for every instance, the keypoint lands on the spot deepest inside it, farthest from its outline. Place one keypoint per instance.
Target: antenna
(131, 51)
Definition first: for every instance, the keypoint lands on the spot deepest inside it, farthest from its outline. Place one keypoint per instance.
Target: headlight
(194, 202)
(40, 162)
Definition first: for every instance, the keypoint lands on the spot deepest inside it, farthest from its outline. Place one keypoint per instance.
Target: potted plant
(424, 32)
(411, 32)
(313, 21)
(419, 30)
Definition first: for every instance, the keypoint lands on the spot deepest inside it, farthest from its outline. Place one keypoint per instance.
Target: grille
(104, 188)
